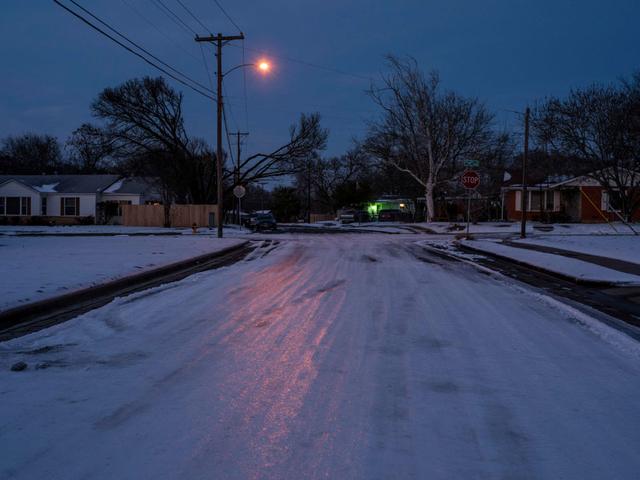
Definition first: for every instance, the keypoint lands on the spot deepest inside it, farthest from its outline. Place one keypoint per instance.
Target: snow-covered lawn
(625, 247)
(35, 268)
(533, 228)
(556, 263)
(330, 357)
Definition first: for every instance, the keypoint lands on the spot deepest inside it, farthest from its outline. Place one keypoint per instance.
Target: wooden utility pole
(220, 41)
(525, 157)
(239, 136)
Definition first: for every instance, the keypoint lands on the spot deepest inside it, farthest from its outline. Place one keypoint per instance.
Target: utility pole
(220, 41)
(525, 157)
(239, 136)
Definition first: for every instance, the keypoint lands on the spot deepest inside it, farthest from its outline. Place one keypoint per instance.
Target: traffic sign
(471, 163)
(239, 191)
(470, 179)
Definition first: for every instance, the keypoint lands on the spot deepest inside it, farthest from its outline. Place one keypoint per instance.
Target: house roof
(63, 183)
(557, 181)
(131, 186)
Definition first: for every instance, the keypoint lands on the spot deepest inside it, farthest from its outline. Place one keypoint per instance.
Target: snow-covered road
(331, 357)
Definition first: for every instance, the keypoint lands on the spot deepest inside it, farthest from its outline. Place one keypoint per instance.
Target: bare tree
(600, 127)
(423, 129)
(333, 177)
(89, 149)
(145, 129)
(305, 138)
(31, 154)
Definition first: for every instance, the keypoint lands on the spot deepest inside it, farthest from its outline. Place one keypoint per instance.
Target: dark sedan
(264, 221)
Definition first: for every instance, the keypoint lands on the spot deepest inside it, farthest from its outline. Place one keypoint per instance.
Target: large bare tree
(144, 125)
(599, 127)
(422, 129)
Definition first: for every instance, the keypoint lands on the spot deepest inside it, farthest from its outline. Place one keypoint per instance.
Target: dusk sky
(506, 52)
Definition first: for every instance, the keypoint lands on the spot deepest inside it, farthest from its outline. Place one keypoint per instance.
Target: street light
(220, 40)
(263, 66)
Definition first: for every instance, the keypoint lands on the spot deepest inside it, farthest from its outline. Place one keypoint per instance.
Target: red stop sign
(470, 179)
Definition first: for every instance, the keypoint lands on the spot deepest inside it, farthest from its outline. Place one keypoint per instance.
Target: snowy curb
(15, 315)
(572, 278)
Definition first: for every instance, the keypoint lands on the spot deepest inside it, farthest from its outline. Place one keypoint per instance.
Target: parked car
(264, 221)
(347, 216)
(390, 215)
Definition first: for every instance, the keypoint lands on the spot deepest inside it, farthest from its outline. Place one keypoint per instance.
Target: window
(70, 206)
(542, 201)
(611, 201)
(44, 207)
(25, 206)
(15, 206)
(536, 199)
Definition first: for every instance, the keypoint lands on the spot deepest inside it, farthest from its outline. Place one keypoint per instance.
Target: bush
(88, 220)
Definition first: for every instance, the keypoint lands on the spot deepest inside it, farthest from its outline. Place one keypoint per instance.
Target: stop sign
(239, 191)
(470, 179)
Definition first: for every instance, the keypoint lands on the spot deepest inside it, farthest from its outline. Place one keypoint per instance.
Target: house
(563, 199)
(391, 202)
(70, 199)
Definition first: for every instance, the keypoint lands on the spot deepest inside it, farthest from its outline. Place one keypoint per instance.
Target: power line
(159, 30)
(173, 16)
(226, 129)
(227, 15)
(233, 118)
(136, 45)
(137, 54)
(206, 66)
(192, 15)
(244, 88)
(308, 64)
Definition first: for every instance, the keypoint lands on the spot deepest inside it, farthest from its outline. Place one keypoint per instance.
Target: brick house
(563, 199)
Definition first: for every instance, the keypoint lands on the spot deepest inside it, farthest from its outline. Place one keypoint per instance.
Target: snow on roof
(47, 187)
(115, 187)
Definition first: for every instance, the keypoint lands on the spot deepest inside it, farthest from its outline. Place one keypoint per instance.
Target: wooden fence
(181, 215)
(322, 217)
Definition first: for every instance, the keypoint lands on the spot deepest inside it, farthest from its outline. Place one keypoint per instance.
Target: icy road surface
(330, 357)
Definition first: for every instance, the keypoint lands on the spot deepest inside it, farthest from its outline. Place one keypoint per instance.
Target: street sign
(239, 191)
(471, 163)
(470, 179)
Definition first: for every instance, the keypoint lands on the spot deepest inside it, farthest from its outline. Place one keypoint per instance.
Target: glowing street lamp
(264, 66)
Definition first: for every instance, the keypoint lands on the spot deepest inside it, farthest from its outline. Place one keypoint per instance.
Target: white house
(69, 198)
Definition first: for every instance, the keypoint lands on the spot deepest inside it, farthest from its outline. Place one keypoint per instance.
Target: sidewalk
(577, 267)
(611, 263)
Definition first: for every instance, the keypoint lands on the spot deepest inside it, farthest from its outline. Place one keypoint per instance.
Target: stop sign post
(239, 191)
(470, 180)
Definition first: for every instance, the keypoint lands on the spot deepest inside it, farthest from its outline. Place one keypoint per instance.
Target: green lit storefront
(404, 205)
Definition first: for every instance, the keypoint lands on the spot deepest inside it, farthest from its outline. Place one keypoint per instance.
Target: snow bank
(555, 263)
(626, 247)
(35, 268)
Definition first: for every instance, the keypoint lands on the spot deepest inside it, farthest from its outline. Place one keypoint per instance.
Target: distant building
(562, 199)
(391, 202)
(70, 199)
